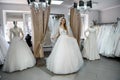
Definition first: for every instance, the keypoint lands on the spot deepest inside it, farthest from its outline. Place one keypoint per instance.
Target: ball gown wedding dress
(3, 49)
(65, 57)
(90, 46)
(19, 55)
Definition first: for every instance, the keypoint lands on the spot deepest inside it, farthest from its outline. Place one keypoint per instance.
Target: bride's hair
(65, 27)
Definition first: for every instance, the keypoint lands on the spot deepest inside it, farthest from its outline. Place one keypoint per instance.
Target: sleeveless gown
(65, 57)
(19, 55)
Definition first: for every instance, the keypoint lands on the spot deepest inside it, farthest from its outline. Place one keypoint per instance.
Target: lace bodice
(62, 31)
(15, 32)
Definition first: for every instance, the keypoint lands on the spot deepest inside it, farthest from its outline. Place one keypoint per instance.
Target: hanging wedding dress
(117, 41)
(66, 56)
(3, 49)
(90, 46)
(19, 55)
(110, 43)
(105, 40)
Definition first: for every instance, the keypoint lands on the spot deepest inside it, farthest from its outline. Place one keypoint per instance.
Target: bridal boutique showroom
(59, 39)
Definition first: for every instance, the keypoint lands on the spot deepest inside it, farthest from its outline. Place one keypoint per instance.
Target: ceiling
(101, 5)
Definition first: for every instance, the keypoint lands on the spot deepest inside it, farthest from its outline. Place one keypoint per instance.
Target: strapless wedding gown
(19, 55)
(65, 57)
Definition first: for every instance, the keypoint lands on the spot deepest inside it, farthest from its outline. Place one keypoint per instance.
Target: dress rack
(118, 19)
(106, 23)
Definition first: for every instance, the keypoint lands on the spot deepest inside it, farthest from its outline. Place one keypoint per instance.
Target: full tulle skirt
(65, 57)
(19, 56)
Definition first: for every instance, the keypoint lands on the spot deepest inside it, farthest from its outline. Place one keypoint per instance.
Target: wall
(110, 15)
(17, 7)
(93, 15)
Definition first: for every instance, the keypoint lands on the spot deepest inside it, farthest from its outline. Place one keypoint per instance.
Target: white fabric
(117, 41)
(66, 56)
(3, 49)
(19, 55)
(109, 40)
(1, 58)
(106, 39)
(90, 46)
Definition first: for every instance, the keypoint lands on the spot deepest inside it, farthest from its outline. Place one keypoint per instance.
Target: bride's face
(63, 21)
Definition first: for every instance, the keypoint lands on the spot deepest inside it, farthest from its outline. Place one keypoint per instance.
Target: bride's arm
(69, 32)
(56, 35)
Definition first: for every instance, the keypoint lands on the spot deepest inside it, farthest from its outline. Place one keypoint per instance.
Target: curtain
(75, 23)
(40, 19)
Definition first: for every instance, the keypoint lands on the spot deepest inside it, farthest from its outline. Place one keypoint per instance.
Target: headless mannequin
(92, 26)
(16, 32)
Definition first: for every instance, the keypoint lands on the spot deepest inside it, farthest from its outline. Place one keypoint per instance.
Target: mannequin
(16, 31)
(19, 55)
(90, 46)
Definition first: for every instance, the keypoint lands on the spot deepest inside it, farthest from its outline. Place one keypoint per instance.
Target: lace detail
(62, 31)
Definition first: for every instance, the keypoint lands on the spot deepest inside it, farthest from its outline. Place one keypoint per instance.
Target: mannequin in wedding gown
(3, 49)
(19, 55)
(90, 45)
(65, 57)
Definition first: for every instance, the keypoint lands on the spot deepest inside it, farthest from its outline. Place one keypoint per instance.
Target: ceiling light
(56, 2)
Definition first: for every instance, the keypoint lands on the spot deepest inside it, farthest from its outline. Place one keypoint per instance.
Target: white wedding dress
(90, 46)
(117, 40)
(65, 57)
(19, 55)
(106, 40)
(3, 49)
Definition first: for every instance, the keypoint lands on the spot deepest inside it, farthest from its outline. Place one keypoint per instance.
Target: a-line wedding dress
(65, 57)
(90, 46)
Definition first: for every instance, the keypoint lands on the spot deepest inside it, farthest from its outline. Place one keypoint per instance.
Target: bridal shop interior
(59, 39)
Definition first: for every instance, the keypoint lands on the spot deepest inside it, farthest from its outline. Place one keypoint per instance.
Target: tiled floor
(104, 69)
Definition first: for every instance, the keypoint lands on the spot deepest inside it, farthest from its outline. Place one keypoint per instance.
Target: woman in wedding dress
(65, 57)
(19, 55)
(3, 49)
(90, 45)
